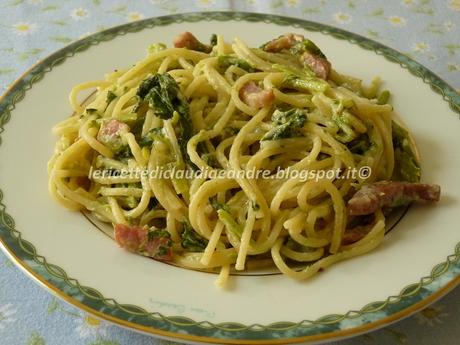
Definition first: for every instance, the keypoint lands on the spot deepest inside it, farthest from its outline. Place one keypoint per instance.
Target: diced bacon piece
(319, 65)
(110, 133)
(256, 97)
(111, 129)
(132, 238)
(375, 195)
(352, 236)
(83, 182)
(283, 42)
(189, 41)
(159, 248)
(138, 239)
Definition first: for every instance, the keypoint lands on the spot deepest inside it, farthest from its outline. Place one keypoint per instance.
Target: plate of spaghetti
(180, 177)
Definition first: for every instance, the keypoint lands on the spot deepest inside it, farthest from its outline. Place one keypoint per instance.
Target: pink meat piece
(137, 239)
(132, 238)
(160, 248)
(189, 41)
(352, 236)
(256, 97)
(319, 65)
(283, 42)
(110, 131)
(376, 195)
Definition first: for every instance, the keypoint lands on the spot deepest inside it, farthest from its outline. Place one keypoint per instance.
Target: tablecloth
(427, 30)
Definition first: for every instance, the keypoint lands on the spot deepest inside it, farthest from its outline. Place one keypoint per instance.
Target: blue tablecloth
(428, 31)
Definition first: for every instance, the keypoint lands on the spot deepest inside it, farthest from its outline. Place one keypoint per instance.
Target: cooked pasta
(267, 156)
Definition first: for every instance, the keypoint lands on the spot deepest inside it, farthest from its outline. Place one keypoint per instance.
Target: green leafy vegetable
(110, 97)
(230, 222)
(306, 46)
(136, 126)
(288, 124)
(383, 97)
(302, 78)
(406, 165)
(216, 205)
(296, 71)
(226, 61)
(163, 95)
(129, 202)
(157, 233)
(91, 111)
(211, 160)
(153, 203)
(164, 247)
(123, 152)
(150, 137)
(360, 145)
(128, 117)
(191, 240)
(305, 84)
(213, 40)
(340, 117)
(165, 98)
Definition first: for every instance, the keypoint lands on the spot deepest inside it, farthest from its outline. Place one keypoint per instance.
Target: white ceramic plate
(417, 263)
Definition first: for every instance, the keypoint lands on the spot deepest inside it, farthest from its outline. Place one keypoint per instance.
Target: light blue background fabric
(428, 31)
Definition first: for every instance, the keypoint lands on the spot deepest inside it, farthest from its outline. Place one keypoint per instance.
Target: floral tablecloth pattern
(426, 30)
